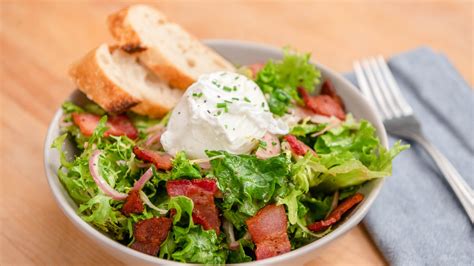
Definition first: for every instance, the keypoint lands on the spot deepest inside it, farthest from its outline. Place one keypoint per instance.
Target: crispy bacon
(133, 204)
(328, 89)
(297, 146)
(272, 147)
(161, 160)
(206, 184)
(201, 192)
(337, 213)
(118, 125)
(147, 248)
(268, 230)
(180, 187)
(150, 233)
(322, 104)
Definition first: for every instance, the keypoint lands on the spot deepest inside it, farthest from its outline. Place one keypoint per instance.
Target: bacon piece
(328, 89)
(337, 213)
(268, 230)
(327, 106)
(205, 211)
(297, 146)
(206, 184)
(272, 147)
(255, 68)
(118, 125)
(160, 160)
(133, 204)
(322, 104)
(180, 187)
(150, 233)
(201, 192)
(147, 248)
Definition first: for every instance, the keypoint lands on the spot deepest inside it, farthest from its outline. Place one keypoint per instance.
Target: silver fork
(378, 85)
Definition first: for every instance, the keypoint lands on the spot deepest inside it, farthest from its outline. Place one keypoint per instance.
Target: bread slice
(116, 81)
(171, 53)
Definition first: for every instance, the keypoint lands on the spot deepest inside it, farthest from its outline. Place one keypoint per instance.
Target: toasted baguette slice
(114, 80)
(171, 53)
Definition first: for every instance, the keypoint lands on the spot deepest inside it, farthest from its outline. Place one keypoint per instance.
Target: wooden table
(40, 40)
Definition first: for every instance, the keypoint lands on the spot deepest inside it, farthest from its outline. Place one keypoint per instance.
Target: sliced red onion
(143, 165)
(321, 119)
(62, 123)
(143, 179)
(155, 138)
(228, 229)
(203, 160)
(154, 128)
(334, 202)
(147, 201)
(205, 165)
(271, 149)
(333, 122)
(100, 181)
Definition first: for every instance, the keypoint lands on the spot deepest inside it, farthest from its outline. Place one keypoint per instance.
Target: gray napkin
(417, 220)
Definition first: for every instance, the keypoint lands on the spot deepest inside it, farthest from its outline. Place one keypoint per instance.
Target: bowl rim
(111, 244)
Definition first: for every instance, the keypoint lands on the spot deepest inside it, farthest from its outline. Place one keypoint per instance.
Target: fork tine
(374, 87)
(395, 111)
(363, 85)
(393, 87)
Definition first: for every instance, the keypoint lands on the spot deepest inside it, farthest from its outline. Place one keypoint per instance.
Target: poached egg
(220, 111)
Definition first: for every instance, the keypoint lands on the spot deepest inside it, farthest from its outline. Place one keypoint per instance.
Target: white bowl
(239, 53)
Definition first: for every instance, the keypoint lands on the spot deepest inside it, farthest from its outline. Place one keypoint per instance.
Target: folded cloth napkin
(417, 219)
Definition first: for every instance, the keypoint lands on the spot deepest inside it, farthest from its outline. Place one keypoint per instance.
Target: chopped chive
(216, 83)
(223, 105)
(262, 144)
(235, 99)
(197, 95)
(247, 99)
(227, 88)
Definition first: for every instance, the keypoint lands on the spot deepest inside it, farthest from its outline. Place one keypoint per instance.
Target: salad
(246, 167)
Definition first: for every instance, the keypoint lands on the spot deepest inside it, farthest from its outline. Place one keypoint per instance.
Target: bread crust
(150, 109)
(153, 58)
(120, 30)
(94, 83)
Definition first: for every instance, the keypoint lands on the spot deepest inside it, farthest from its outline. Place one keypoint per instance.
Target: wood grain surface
(40, 39)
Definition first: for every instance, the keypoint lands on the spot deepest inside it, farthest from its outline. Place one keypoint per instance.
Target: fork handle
(457, 183)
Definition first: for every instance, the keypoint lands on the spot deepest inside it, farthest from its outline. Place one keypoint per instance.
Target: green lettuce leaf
(247, 182)
(348, 155)
(279, 80)
(182, 205)
(183, 168)
(198, 246)
(94, 206)
(305, 128)
(239, 255)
